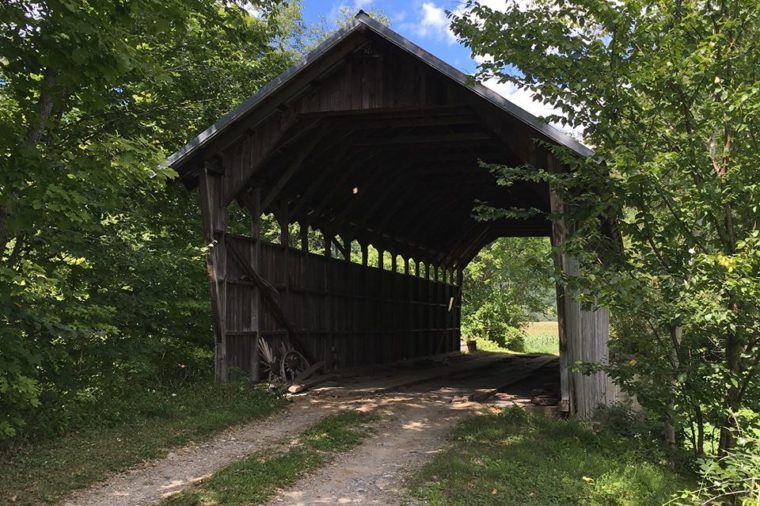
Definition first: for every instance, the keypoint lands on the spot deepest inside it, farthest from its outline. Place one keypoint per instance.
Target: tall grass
(539, 337)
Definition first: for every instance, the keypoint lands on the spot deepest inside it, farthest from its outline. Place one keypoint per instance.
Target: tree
(667, 95)
(101, 278)
(505, 286)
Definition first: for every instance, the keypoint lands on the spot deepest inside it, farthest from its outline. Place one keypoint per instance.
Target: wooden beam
(344, 175)
(341, 249)
(380, 200)
(270, 298)
(365, 189)
(328, 240)
(214, 217)
(391, 112)
(292, 167)
(557, 239)
(304, 231)
(327, 65)
(443, 138)
(254, 209)
(262, 159)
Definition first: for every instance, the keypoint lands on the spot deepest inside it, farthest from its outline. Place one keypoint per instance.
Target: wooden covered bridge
(371, 141)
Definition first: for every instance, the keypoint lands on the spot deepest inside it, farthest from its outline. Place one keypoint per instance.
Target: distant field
(542, 337)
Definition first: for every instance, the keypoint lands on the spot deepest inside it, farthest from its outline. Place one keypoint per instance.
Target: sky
(425, 23)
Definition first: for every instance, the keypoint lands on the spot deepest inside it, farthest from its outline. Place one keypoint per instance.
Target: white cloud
(433, 23)
(361, 4)
(525, 100)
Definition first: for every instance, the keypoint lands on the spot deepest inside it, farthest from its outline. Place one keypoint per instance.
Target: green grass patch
(517, 458)
(538, 337)
(257, 478)
(44, 471)
(542, 337)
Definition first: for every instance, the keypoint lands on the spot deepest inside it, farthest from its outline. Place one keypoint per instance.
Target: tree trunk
(34, 134)
(669, 431)
(732, 398)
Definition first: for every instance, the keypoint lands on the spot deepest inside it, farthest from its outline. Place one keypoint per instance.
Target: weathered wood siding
(345, 314)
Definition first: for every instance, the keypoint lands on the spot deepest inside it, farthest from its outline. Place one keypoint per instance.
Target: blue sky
(421, 21)
(425, 23)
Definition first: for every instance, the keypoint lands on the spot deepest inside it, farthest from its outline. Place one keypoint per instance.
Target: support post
(255, 212)
(328, 244)
(214, 215)
(584, 333)
(558, 237)
(347, 249)
(304, 236)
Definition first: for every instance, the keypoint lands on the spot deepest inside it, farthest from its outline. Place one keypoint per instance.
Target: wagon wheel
(292, 364)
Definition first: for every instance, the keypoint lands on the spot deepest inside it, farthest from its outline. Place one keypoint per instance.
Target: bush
(734, 478)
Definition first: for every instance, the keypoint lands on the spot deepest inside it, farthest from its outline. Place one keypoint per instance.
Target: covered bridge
(371, 141)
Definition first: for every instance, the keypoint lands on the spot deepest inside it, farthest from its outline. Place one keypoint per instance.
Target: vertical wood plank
(558, 237)
(255, 252)
(214, 216)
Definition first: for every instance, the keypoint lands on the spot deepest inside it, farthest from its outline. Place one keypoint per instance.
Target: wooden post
(559, 234)
(438, 332)
(365, 254)
(457, 304)
(284, 221)
(584, 333)
(304, 236)
(255, 212)
(214, 216)
(328, 244)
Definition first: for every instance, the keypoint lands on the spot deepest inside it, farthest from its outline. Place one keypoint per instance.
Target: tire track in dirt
(413, 427)
(414, 424)
(149, 483)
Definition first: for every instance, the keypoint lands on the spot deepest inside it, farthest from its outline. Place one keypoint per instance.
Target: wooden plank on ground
(403, 379)
(517, 373)
(301, 387)
(308, 372)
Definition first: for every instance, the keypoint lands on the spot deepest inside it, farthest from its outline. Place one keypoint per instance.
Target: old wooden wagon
(371, 141)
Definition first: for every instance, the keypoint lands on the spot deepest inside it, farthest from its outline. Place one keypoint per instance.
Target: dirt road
(415, 420)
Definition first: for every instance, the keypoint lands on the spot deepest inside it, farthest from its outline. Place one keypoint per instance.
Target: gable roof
(362, 20)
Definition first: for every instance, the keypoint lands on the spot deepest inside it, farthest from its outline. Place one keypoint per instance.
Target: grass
(516, 458)
(540, 337)
(44, 471)
(257, 478)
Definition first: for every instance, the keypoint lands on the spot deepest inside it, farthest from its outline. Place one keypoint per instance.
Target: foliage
(256, 479)
(504, 287)
(512, 457)
(665, 213)
(123, 432)
(102, 285)
(733, 477)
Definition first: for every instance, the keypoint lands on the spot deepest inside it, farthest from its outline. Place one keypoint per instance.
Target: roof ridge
(362, 18)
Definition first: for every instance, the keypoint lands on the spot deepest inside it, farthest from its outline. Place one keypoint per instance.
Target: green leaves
(508, 284)
(666, 93)
(102, 280)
